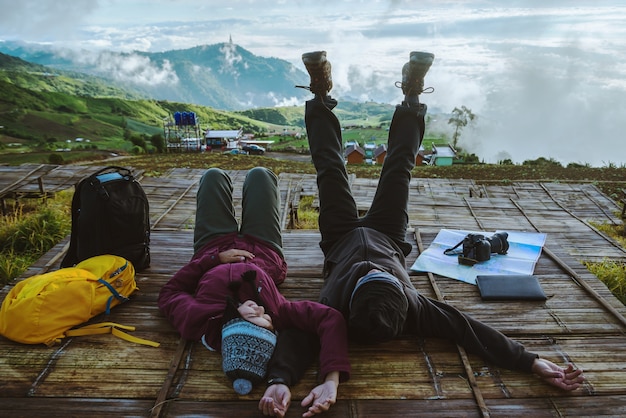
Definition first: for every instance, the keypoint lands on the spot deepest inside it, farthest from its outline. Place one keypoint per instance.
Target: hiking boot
(413, 73)
(319, 69)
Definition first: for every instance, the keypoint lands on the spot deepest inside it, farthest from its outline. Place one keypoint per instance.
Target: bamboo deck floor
(581, 321)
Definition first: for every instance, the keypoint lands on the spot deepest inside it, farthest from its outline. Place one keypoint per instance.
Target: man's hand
(322, 397)
(563, 378)
(275, 401)
(235, 256)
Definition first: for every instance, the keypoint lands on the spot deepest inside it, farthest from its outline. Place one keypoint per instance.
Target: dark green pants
(260, 215)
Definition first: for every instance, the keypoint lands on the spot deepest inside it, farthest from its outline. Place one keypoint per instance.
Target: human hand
(562, 378)
(235, 256)
(275, 400)
(321, 398)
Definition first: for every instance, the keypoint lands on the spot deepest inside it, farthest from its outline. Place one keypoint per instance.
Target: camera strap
(466, 261)
(450, 251)
(462, 260)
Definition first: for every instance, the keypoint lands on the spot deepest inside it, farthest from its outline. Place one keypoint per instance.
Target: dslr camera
(478, 248)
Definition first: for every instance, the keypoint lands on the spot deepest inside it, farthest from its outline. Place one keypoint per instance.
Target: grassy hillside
(42, 121)
(40, 78)
(349, 113)
(288, 116)
(44, 111)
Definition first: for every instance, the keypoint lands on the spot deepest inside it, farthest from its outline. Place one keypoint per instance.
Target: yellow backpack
(44, 308)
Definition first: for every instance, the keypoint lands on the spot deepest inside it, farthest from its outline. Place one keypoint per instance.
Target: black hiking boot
(413, 73)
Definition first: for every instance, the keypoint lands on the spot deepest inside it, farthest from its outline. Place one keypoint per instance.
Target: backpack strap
(124, 336)
(71, 257)
(114, 294)
(110, 328)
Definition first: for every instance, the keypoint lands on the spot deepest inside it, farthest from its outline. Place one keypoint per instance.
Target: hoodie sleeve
(431, 318)
(177, 297)
(329, 325)
(295, 351)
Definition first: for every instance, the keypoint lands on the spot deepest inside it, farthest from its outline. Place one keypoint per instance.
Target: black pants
(338, 211)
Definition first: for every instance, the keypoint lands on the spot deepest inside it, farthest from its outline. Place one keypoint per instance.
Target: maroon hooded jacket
(194, 299)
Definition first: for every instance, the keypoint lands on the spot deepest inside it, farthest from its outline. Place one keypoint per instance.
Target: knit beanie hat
(378, 308)
(246, 350)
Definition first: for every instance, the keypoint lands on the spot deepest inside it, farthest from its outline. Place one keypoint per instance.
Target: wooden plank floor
(580, 322)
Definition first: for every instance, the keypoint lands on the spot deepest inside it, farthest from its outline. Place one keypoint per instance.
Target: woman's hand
(235, 256)
(323, 396)
(275, 401)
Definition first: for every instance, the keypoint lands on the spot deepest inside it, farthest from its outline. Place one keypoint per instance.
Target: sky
(545, 78)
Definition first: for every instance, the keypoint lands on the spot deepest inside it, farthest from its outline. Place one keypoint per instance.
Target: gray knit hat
(378, 308)
(246, 351)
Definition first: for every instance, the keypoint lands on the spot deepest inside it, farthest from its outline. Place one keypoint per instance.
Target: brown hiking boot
(318, 68)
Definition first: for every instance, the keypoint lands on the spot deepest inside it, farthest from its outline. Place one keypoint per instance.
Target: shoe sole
(314, 58)
(423, 58)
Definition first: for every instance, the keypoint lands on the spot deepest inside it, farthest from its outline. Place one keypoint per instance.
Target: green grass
(617, 232)
(31, 229)
(612, 274)
(365, 135)
(307, 215)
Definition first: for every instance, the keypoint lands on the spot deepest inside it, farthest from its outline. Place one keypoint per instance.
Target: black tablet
(510, 287)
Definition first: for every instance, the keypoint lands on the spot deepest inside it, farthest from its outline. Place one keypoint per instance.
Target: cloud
(551, 105)
(44, 20)
(230, 57)
(128, 68)
(138, 70)
(284, 101)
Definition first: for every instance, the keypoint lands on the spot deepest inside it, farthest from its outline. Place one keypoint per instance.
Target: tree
(139, 141)
(543, 162)
(460, 119)
(158, 142)
(56, 158)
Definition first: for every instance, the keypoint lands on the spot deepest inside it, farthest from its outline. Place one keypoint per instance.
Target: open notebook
(509, 287)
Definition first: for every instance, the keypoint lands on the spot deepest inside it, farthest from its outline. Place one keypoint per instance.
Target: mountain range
(223, 76)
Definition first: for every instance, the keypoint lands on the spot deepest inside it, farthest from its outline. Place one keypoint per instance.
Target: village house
(379, 153)
(442, 155)
(221, 139)
(354, 154)
(421, 156)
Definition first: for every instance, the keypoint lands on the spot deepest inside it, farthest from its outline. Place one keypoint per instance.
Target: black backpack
(110, 215)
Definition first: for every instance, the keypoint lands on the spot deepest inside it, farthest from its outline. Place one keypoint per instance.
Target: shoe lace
(427, 90)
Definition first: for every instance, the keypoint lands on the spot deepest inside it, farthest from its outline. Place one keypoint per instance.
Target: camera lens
(499, 243)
